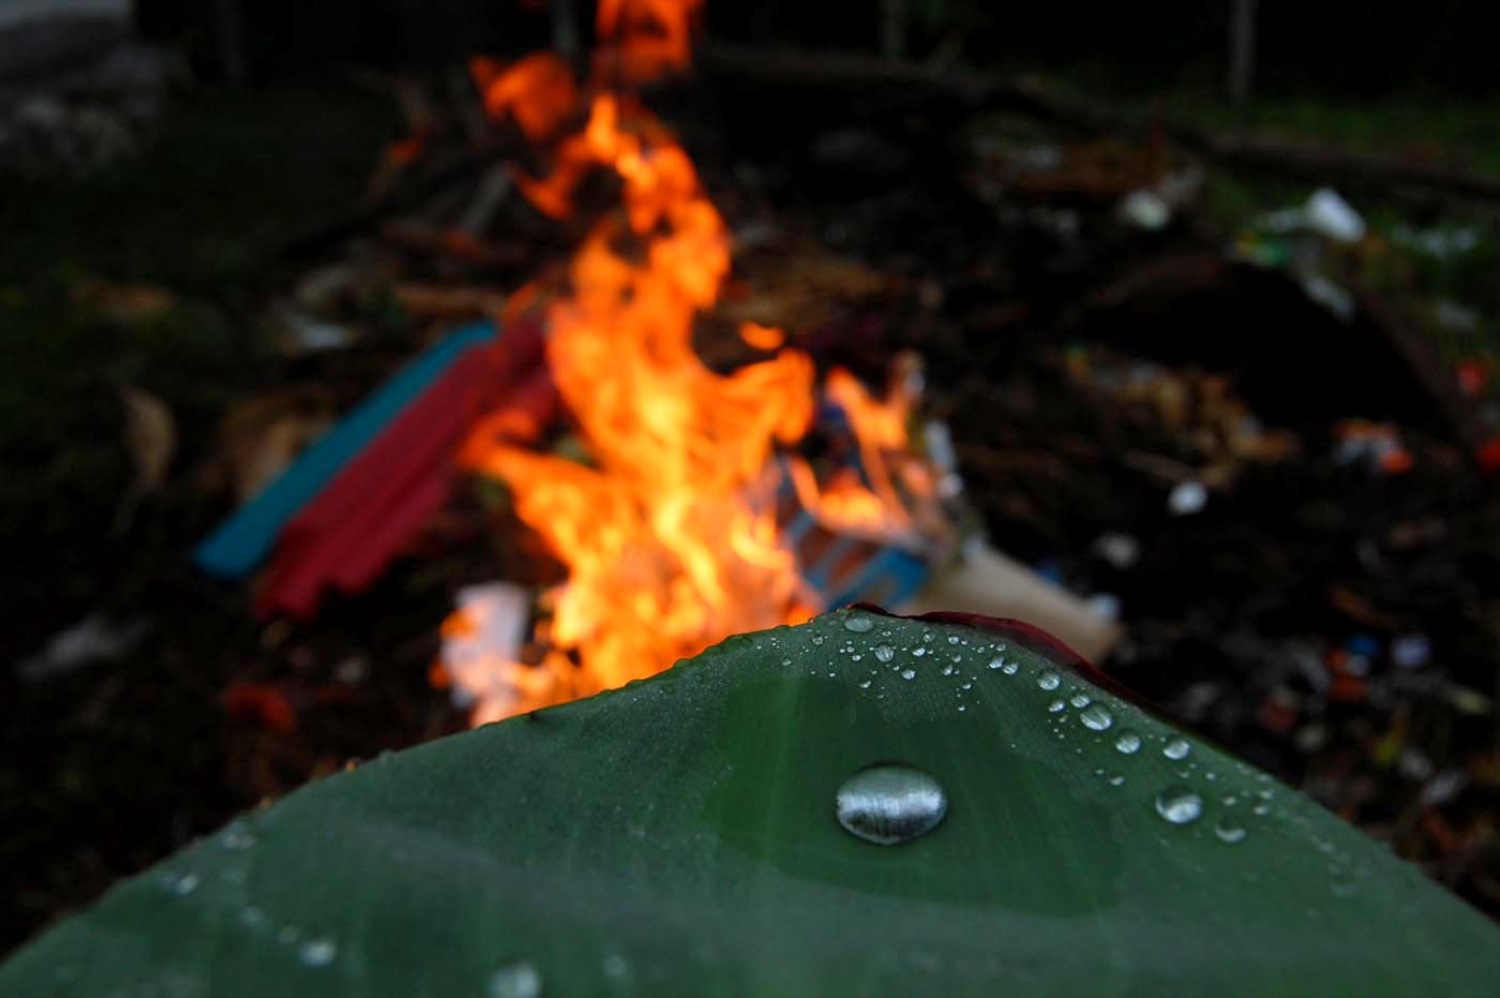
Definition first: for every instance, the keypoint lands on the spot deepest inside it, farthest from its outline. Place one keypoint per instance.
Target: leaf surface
(679, 837)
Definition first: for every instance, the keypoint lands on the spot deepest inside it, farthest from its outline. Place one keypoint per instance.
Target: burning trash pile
(686, 501)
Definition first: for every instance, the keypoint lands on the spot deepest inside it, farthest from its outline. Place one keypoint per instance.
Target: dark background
(1370, 50)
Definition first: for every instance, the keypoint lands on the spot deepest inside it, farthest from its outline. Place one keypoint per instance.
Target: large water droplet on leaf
(889, 804)
(885, 652)
(1049, 680)
(1129, 743)
(858, 623)
(1177, 748)
(1097, 717)
(1179, 805)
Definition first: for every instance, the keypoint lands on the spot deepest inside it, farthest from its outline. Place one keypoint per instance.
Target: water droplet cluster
(1077, 714)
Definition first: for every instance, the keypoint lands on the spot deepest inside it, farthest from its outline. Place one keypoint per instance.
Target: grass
(196, 215)
(232, 175)
(1449, 132)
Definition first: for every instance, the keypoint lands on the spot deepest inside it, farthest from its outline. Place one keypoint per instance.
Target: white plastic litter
(1330, 216)
(1145, 210)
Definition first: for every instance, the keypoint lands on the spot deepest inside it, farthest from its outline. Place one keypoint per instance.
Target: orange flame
(670, 534)
(650, 38)
(537, 93)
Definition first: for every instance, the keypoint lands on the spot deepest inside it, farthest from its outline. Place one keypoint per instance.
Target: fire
(670, 530)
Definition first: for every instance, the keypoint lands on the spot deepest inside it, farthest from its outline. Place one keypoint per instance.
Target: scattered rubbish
(1330, 216)
(1375, 446)
(1455, 315)
(1187, 498)
(261, 437)
(1411, 651)
(150, 435)
(130, 304)
(1444, 787)
(300, 333)
(1105, 606)
(266, 705)
(1328, 293)
(1442, 242)
(95, 638)
(1121, 551)
(987, 582)
(1145, 210)
(482, 643)
(345, 536)
(244, 540)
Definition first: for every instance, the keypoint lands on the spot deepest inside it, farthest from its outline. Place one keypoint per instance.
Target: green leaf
(678, 837)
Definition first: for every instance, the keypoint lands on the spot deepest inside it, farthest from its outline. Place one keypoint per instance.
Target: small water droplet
(953, 639)
(1080, 700)
(1342, 888)
(519, 980)
(997, 662)
(252, 917)
(237, 836)
(858, 623)
(318, 952)
(947, 670)
(185, 884)
(617, 968)
(865, 685)
(1097, 717)
(1177, 748)
(919, 651)
(1117, 780)
(1129, 743)
(786, 661)
(967, 686)
(1179, 806)
(961, 707)
(908, 673)
(1011, 668)
(1057, 706)
(1049, 680)
(885, 652)
(1229, 830)
(817, 639)
(1262, 810)
(889, 804)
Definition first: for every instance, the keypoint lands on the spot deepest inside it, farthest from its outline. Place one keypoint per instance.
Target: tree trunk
(229, 31)
(893, 28)
(1242, 50)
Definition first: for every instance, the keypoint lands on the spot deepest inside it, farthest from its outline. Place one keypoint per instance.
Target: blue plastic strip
(243, 541)
(890, 578)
